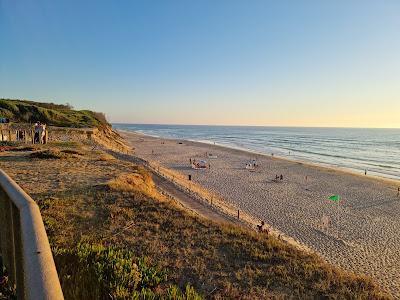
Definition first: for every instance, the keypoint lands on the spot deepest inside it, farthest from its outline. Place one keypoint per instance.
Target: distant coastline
(388, 170)
(347, 171)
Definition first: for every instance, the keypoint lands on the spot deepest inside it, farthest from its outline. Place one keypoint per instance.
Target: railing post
(8, 238)
(18, 255)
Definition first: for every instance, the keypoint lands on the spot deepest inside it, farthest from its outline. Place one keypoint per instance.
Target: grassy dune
(25, 111)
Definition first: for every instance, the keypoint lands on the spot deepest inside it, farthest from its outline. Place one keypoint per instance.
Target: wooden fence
(23, 135)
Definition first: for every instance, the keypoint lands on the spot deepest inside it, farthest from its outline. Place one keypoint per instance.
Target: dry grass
(25, 148)
(55, 153)
(47, 154)
(106, 157)
(221, 262)
(138, 181)
(72, 151)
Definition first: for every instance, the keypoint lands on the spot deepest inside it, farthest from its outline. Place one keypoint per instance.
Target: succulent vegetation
(90, 271)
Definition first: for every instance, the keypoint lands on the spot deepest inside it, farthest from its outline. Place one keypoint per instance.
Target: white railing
(24, 245)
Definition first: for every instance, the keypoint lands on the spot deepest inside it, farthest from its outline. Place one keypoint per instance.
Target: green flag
(335, 198)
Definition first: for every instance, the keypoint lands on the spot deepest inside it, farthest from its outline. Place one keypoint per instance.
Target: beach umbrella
(335, 198)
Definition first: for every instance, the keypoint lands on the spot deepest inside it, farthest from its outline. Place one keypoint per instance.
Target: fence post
(46, 136)
(18, 254)
(7, 236)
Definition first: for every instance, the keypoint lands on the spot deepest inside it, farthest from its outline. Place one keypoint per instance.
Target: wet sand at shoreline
(363, 235)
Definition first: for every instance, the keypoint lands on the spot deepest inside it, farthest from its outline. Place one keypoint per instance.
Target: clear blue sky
(301, 63)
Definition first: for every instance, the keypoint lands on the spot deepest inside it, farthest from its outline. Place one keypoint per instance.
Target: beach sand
(364, 231)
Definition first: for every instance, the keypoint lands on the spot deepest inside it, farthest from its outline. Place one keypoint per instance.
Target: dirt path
(185, 199)
(192, 203)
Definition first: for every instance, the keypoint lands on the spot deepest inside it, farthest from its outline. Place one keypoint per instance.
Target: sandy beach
(362, 233)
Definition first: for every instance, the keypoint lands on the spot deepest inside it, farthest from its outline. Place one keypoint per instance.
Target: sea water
(356, 149)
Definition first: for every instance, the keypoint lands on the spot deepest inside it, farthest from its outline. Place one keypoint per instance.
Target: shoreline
(328, 167)
(365, 233)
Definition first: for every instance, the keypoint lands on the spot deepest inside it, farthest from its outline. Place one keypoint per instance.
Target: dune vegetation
(25, 111)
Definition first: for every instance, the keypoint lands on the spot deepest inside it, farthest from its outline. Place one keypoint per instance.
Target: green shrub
(97, 272)
(46, 154)
(55, 154)
(72, 151)
(7, 291)
(7, 143)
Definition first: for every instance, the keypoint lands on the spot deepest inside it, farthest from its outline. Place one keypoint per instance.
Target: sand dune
(364, 231)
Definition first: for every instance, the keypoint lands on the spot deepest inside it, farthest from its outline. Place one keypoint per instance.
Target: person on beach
(365, 172)
(398, 191)
(42, 133)
(36, 133)
(281, 177)
(190, 160)
(262, 228)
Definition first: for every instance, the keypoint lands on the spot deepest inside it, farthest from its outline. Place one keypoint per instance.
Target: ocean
(354, 149)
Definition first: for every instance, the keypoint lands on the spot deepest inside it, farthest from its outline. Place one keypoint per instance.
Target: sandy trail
(367, 220)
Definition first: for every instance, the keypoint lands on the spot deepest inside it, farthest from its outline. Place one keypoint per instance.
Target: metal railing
(24, 245)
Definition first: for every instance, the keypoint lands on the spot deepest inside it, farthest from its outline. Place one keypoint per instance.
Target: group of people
(39, 133)
(251, 165)
(277, 177)
(202, 164)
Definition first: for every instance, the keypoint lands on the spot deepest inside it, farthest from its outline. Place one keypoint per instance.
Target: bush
(47, 154)
(97, 272)
(24, 148)
(7, 292)
(55, 154)
(72, 151)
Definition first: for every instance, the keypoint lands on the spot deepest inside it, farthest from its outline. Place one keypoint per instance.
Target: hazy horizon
(244, 125)
(302, 64)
